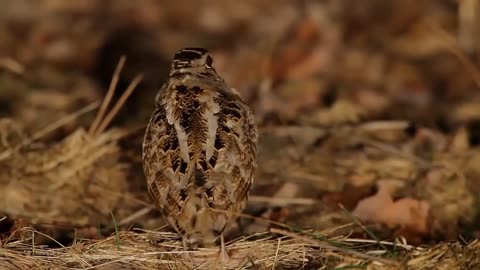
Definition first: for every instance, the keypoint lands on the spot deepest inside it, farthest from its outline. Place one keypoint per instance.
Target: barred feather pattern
(199, 149)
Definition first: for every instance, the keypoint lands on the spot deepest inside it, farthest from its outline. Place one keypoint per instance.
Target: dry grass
(139, 249)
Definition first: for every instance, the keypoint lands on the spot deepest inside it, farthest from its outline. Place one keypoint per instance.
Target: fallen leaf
(405, 213)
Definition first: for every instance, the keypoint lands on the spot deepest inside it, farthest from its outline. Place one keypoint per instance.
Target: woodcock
(199, 150)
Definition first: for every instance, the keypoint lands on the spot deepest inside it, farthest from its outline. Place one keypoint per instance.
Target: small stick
(281, 201)
(103, 125)
(384, 125)
(135, 215)
(12, 65)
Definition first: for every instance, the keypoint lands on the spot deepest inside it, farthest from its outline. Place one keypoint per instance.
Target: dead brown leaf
(405, 213)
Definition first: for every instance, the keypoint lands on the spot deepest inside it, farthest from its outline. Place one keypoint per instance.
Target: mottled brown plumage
(199, 150)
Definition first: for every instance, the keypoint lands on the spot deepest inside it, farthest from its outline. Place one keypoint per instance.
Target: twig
(12, 65)
(103, 125)
(384, 125)
(135, 215)
(108, 97)
(281, 201)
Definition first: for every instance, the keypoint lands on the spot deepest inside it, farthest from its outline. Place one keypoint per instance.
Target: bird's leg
(223, 250)
(186, 249)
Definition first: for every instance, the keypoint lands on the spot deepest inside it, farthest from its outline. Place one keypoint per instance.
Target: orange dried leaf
(406, 212)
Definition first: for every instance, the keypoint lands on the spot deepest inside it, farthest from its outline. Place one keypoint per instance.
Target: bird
(199, 151)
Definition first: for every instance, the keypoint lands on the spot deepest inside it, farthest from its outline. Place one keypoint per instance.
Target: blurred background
(373, 105)
(390, 59)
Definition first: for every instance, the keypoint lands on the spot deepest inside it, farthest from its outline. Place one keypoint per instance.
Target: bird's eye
(209, 61)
